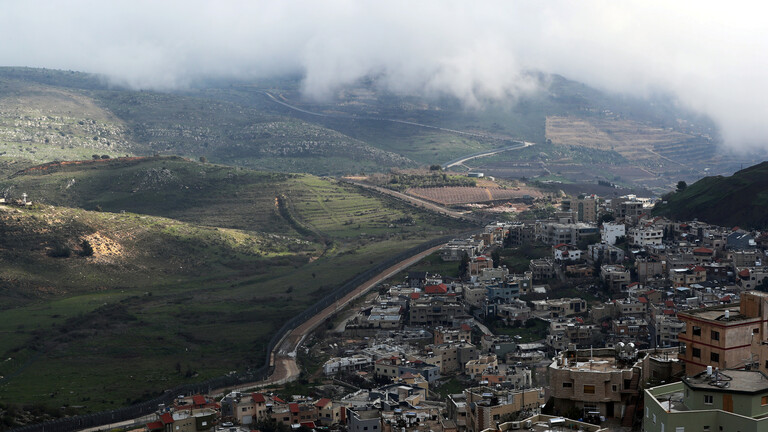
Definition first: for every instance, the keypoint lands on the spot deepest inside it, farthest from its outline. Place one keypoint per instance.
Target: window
(654, 418)
(764, 400)
(709, 399)
(697, 352)
(715, 357)
(755, 330)
(696, 331)
(715, 335)
(647, 412)
(614, 387)
(680, 429)
(706, 428)
(567, 385)
(589, 389)
(244, 409)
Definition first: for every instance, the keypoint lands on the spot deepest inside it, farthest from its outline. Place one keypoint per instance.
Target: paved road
(461, 160)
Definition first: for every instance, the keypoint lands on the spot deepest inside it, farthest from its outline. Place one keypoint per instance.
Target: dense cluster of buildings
(668, 331)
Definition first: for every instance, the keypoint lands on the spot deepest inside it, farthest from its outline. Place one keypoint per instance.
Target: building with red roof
(436, 289)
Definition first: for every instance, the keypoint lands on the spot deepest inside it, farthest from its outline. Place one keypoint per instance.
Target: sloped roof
(155, 425)
(322, 402)
(199, 400)
(166, 418)
(436, 289)
(258, 397)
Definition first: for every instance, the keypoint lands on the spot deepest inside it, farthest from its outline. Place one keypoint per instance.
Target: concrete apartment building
(616, 276)
(584, 208)
(435, 312)
(542, 269)
(687, 276)
(485, 406)
(611, 232)
(451, 357)
(561, 307)
(605, 253)
(596, 382)
(645, 236)
(363, 421)
(721, 336)
(554, 233)
(729, 400)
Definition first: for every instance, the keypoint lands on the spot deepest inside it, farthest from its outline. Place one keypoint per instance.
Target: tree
(435, 167)
(607, 217)
(87, 249)
(681, 185)
(464, 266)
(496, 257)
(203, 159)
(60, 250)
(508, 241)
(105, 156)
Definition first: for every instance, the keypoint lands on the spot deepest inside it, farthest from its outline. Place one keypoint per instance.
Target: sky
(712, 57)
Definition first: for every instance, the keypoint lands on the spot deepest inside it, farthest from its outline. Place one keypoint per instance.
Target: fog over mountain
(709, 56)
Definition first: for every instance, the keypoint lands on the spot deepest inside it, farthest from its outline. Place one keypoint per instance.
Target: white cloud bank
(711, 56)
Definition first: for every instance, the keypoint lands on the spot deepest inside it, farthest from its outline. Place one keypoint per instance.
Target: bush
(60, 250)
(87, 249)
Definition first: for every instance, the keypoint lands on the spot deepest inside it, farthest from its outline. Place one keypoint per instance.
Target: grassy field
(188, 283)
(538, 330)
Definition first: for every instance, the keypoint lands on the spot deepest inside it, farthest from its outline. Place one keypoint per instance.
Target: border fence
(74, 423)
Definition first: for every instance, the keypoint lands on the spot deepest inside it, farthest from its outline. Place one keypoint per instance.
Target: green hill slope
(738, 200)
(188, 283)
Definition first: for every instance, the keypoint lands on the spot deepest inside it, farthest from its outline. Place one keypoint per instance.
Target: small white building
(610, 232)
(646, 236)
(566, 252)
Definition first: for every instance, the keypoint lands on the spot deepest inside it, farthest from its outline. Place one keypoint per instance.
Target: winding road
(461, 160)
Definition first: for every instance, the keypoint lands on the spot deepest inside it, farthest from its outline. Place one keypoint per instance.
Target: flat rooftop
(730, 380)
(719, 314)
(596, 364)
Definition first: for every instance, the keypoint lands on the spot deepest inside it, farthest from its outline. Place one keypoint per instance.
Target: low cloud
(709, 56)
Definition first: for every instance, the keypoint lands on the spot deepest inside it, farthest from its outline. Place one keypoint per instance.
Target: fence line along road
(94, 420)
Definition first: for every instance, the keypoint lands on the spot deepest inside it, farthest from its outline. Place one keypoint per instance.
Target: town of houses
(629, 321)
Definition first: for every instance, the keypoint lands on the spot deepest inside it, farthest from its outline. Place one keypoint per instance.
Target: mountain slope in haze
(737, 200)
(47, 115)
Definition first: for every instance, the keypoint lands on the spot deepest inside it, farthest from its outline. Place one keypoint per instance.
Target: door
(728, 403)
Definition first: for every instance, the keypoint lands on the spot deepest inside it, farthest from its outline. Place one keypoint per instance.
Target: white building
(646, 236)
(611, 232)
